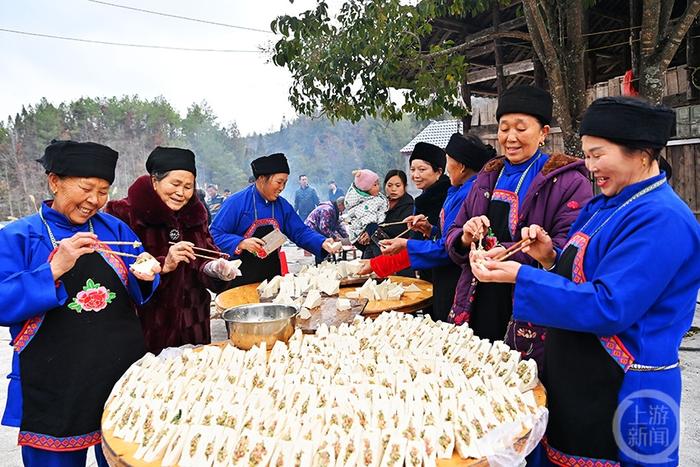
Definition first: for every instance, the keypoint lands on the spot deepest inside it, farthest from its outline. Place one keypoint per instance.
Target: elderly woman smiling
(67, 296)
(619, 300)
(161, 209)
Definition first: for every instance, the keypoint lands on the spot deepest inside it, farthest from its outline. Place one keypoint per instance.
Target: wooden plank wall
(685, 161)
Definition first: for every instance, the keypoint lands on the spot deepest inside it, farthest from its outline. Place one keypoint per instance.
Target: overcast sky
(239, 87)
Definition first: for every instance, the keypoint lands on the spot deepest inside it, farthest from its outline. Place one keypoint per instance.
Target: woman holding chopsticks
(618, 300)
(523, 187)
(464, 157)
(172, 223)
(67, 293)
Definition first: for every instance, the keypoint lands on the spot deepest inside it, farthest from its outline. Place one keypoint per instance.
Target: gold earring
(542, 143)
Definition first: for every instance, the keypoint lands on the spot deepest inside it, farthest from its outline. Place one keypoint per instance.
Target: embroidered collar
(626, 193)
(59, 220)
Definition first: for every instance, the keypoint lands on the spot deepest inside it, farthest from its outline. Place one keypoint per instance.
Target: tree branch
(475, 41)
(665, 16)
(649, 37)
(676, 35)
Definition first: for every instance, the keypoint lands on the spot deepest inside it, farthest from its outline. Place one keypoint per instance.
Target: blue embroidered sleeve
(27, 288)
(298, 232)
(629, 277)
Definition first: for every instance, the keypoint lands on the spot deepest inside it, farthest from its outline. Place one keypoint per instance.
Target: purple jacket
(552, 201)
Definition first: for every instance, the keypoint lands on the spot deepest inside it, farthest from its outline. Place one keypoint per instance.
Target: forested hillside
(134, 126)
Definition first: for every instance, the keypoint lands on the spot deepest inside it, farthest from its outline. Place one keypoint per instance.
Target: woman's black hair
(397, 173)
(159, 176)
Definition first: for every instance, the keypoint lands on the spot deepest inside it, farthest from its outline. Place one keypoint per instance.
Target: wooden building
(496, 64)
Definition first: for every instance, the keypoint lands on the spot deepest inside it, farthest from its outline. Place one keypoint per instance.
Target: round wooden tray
(410, 302)
(119, 453)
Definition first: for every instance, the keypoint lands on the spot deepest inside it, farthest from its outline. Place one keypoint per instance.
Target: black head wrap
(470, 151)
(163, 160)
(272, 164)
(74, 159)
(429, 153)
(631, 122)
(526, 100)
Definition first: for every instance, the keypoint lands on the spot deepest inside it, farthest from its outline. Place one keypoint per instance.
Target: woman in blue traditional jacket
(68, 298)
(465, 156)
(619, 300)
(247, 216)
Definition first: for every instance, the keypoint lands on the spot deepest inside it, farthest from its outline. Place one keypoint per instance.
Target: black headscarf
(429, 153)
(164, 159)
(74, 159)
(272, 164)
(470, 151)
(527, 100)
(631, 122)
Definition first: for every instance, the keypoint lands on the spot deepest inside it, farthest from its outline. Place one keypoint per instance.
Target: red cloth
(284, 267)
(628, 86)
(386, 265)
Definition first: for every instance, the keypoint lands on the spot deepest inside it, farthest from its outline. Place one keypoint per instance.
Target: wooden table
(119, 453)
(410, 301)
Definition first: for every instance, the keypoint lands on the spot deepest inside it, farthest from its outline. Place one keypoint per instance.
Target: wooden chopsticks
(514, 248)
(220, 253)
(134, 244)
(112, 252)
(387, 224)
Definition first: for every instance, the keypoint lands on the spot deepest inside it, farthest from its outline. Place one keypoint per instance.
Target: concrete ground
(689, 356)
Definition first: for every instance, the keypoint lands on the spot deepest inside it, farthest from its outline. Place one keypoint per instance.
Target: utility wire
(125, 44)
(186, 18)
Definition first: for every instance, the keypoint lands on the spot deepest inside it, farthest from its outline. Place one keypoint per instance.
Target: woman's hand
(392, 246)
(474, 229)
(69, 250)
(485, 270)
(222, 269)
(331, 246)
(363, 239)
(542, 249)
(155, 269)
(419, 223)
(181, 251)
(365, 269)
(252, 245)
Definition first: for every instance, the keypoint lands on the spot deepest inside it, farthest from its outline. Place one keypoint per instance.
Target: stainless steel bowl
(253, 324)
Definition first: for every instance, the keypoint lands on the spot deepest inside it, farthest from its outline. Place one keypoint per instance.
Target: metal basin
(250, 325)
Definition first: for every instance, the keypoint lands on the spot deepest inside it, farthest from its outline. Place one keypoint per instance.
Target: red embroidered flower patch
(93, 297)
(573, 204)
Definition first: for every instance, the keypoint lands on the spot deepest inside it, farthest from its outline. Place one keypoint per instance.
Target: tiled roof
(437, 133)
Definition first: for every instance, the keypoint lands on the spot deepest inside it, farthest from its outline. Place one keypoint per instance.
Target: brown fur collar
(555, 161)
(149, 209)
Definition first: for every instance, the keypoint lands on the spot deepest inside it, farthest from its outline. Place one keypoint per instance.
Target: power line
(125, 44)
(186, 18)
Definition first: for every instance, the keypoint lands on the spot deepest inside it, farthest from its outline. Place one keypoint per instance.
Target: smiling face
(520, 135)
(176, 189)
(612, 168)
(423, 175)
(394, 188)
(78, 198)
(270, 188)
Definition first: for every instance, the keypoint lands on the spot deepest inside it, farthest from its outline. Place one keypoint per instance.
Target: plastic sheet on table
(514, 455)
